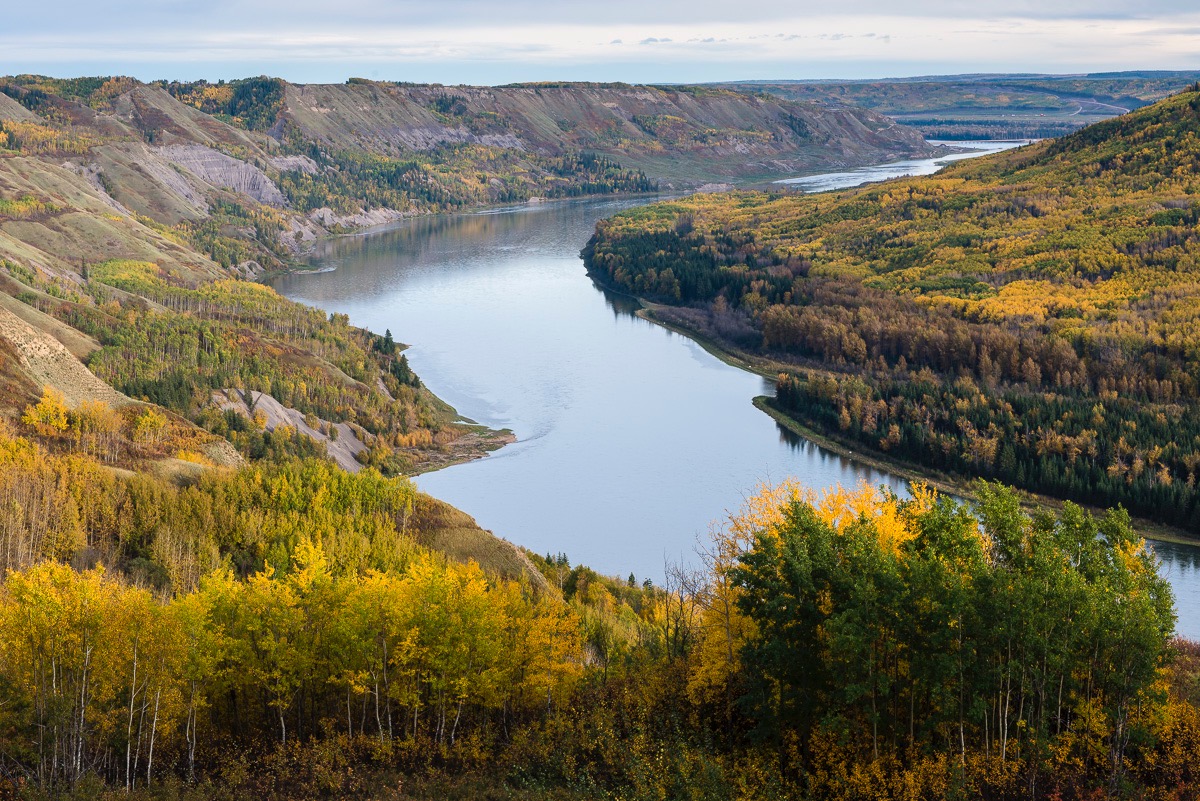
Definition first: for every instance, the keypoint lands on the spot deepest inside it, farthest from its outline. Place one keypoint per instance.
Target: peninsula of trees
(1029, 317)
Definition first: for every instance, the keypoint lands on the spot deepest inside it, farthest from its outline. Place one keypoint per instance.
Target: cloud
(1191, 31)
(232, 14)
(482, 41)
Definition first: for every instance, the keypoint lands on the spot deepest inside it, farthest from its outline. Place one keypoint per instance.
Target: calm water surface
(632, 439)
(896, 169)
(1181, 565)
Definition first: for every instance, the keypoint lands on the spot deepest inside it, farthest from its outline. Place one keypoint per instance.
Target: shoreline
(298, 267)
(745, 183)
(476, 441)
(909, 471)
(481, 441)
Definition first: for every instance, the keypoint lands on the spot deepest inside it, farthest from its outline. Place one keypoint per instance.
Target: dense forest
(279, 631)
(1029, 316)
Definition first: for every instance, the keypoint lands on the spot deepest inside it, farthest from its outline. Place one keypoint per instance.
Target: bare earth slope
(675, 134)
(256, 175)
(47, 362)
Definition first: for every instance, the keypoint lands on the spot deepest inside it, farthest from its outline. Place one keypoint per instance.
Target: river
(827, 181)
(632, 440)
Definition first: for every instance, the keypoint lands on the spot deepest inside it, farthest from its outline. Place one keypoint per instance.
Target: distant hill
(989, 106)
(1032, 316)
(315, 159)
(675, 135)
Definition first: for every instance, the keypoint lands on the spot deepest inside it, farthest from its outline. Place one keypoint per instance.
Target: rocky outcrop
(294, 163)
(342, 447)
(328, 218)
(139, 179)
(219, 170)
(92, 174)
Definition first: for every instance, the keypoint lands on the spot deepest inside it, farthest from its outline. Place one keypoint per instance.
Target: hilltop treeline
(279, 632)
(1029, 316)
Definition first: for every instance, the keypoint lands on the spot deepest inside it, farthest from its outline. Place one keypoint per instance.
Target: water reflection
(622, 305)
(1180, 564)
(874, 173)
(632, 439)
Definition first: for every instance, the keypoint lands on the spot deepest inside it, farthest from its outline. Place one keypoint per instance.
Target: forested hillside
(249, 172)
(288, 637)
(1029, 316)
(130, 338)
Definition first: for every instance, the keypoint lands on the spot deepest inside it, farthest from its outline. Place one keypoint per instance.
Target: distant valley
(306, 161)
(988, 106)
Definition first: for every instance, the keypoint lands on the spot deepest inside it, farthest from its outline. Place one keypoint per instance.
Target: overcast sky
(494, 41)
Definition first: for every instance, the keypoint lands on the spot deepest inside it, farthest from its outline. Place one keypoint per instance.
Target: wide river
(632, 440)
(824, 182)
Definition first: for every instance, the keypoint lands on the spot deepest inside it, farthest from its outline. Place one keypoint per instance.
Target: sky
(638, 41)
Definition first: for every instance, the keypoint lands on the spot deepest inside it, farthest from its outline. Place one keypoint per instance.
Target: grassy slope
(80, 225)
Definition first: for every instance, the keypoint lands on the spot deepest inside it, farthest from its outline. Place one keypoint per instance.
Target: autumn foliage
(1029, 317)
(848, 644)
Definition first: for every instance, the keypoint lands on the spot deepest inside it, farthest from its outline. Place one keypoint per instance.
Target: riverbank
(473, 441)
(476, 442)
(957, 486)
(302, 267)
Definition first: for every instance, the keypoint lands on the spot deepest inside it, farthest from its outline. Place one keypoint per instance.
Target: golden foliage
(49, 416)
(26, 206)
(38, 139)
